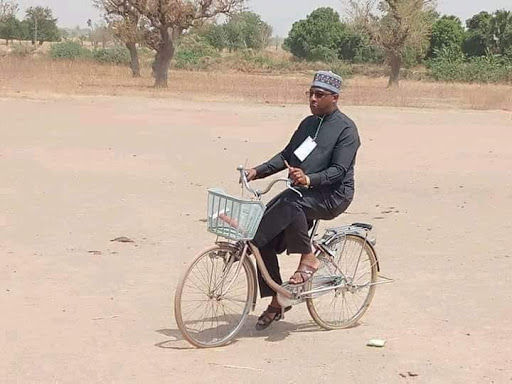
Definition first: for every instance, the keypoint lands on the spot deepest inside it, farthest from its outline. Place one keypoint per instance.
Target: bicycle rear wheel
(353, 269)
(214, 297)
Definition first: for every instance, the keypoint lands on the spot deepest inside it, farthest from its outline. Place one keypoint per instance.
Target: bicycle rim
(354, 267)
(208, 315)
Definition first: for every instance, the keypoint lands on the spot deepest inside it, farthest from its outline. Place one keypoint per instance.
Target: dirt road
(78, 308)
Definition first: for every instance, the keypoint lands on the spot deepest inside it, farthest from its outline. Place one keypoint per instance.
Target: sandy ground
(78, 172)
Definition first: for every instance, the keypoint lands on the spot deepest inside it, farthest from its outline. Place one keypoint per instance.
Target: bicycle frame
(318, 247)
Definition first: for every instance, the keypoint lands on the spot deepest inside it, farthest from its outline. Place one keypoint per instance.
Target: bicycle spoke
(209, 316)
(355, 265)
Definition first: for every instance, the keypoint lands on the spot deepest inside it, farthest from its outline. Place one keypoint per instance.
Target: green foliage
(489, 34)
(447, 32)
(69, 50)
(448, 66)
(323, 37)
(216, 36)
(475, 44)
(194, 53)
(341, 68)
(41, 25)
(246, 30)
(501, 29)
(115, 56)
(356, 47)
(318, 35)
(10, 28)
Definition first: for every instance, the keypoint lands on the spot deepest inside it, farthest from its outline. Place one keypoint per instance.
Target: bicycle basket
(233, 218)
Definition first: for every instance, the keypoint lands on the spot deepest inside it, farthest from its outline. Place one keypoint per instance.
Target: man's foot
(303, 274)
(270, 315)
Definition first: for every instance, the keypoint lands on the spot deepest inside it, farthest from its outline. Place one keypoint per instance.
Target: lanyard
(319, 126)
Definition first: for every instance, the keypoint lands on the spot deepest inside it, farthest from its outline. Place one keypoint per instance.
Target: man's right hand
(250, 174)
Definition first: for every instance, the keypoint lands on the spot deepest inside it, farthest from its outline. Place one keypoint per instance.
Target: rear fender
(332, 234)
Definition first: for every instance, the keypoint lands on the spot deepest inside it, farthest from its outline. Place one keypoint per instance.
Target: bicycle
(219, 289)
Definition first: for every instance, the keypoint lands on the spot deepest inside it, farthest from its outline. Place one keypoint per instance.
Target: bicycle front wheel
(214, 297)
(353, 270)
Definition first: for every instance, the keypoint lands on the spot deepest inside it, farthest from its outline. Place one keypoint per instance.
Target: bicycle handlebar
(258, 193)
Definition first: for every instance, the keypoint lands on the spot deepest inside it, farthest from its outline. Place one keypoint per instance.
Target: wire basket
(233, 218)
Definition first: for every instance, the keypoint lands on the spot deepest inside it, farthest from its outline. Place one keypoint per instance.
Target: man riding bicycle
(320, 158)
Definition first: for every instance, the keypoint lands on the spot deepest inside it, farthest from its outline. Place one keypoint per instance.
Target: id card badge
(305, 148)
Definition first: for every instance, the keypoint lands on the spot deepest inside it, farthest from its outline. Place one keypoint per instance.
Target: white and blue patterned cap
(328, 81)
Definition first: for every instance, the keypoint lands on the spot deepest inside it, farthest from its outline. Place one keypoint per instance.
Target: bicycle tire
(320, 315)
(232, 321)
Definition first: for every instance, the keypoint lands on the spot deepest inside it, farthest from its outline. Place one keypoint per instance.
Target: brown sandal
(265, 320)
(306, 274)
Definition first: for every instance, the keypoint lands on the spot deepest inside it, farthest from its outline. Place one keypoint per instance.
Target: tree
(216, 36)
(8, 8)
(395, 26)
(124, 20)
(167, 20)
(501, 31)
(10, 29)
(447, 34)
(9, 24)
(318, 37)
(247, 30)
(42, 25)
(478, 36)
(489, 34)
(101, 34)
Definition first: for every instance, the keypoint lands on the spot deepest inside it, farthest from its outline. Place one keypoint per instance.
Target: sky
(281, 14)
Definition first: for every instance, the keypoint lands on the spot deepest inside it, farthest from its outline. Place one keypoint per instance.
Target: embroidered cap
(328, 81)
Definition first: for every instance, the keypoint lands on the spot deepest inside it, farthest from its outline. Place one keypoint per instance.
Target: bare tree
(167, 20)
(394, 25)
(125, 21)
(8, 8)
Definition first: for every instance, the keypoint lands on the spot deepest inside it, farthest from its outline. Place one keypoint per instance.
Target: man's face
(321, 101)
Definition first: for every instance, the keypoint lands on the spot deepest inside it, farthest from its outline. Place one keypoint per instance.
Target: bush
(341, 68)
(22, 50)
(69, 50)
(115, 56)
(481, 69)
(194, 54)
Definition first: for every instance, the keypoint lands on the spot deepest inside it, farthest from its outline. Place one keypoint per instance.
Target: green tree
(216, 36)
(9, 24)
(447, 34)
(247, 30)
(501, 31)
(478, 35)
(10, 29)
(41, 24)
(489, 34)
(318, 37)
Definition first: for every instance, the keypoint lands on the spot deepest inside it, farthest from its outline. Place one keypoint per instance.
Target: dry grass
(43, 77)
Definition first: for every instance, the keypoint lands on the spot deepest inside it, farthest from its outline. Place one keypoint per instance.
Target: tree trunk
(395, 62)
(163, 59)
(134, 64)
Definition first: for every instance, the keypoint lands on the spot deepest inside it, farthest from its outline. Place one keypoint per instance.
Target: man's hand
(250, 174)
(298, 177)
